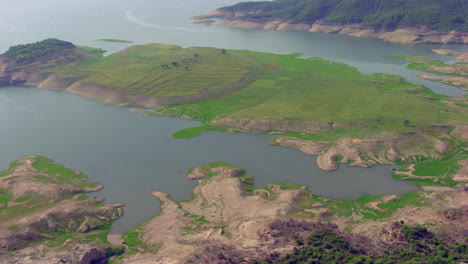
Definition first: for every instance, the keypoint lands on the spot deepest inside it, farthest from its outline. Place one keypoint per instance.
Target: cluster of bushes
(28, 52)
(434, 14)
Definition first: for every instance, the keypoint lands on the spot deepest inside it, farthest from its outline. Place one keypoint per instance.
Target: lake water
(131, 153)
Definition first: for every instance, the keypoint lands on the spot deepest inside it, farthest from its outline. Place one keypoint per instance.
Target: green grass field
(265, 86)
(318, 90)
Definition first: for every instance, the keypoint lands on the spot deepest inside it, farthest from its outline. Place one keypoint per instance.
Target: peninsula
(45, 216)
(320, 107)
(409, 21)
(230, 221)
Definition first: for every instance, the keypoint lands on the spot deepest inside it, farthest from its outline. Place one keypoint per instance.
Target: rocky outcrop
(443, 214)
(54, 83)
(43, 206)
(384, 149)
(23, 180)
(462, 56)
(405, 35)
(81, 254)
(460, 82)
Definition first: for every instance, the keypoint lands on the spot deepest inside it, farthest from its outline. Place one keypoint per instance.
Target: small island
(115, 40)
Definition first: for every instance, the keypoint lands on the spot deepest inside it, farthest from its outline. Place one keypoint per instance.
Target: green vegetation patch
(364, 205)
(290, 185)
(41, 172)
(115, 40)
(318, 90)
(190, 132)
(198, 222)
(32, 51)
(166, 71)
(207, 168)
(437, 168)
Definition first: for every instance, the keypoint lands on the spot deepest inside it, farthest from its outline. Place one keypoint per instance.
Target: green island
(317, 106)
(115, 40)
(409, 21)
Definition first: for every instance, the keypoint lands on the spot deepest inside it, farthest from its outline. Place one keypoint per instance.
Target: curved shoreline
(115, 97)
(414, 35)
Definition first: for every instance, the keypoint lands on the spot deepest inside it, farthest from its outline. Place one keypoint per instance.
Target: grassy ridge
(162, 70)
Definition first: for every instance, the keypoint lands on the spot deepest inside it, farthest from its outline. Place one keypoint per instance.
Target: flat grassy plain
(314, 89)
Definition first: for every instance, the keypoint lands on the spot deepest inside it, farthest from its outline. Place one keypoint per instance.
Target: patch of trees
(28, 52)
(421, 246)
(433, 14)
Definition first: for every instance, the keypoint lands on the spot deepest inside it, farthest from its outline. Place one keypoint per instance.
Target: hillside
(316, 106)
(406, 21)
(46, 217)
(433, 14)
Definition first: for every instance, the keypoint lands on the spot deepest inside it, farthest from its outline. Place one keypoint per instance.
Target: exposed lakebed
(131, 153)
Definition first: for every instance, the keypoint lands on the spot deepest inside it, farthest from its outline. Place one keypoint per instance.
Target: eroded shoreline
(403, 35)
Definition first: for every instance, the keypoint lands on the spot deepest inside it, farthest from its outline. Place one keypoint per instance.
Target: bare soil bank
(226, 216)
(46, 208)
